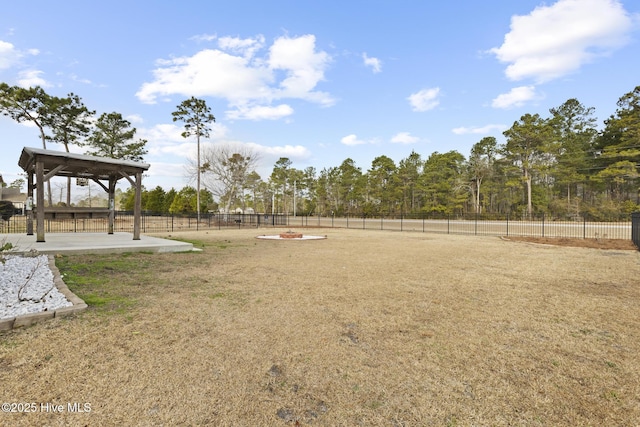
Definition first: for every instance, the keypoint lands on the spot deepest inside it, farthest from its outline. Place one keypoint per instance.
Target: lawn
(363, 328)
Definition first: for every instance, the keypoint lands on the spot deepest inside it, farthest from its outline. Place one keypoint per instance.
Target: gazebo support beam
(29, 204)
(53, 172)
(40, 202)
(137, 207)
(112, 203)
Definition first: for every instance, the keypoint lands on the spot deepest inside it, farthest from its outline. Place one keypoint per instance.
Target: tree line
(560, 165)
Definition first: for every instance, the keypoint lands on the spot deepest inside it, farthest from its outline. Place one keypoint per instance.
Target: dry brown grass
(618, 244)
(363, 328)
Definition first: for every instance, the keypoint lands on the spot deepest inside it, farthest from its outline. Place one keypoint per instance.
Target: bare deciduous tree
(225, 170)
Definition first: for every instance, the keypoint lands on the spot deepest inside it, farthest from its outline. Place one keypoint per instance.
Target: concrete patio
(69, 243)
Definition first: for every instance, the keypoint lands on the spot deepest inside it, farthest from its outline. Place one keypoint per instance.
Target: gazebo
(41, 165)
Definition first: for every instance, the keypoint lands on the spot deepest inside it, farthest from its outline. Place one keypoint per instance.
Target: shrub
(6, 210)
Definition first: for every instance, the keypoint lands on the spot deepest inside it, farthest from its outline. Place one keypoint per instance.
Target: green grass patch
(114, 302)
(199, 244)
(107, 283)
(95, 300)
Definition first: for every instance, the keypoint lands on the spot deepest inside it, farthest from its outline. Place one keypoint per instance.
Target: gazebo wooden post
(40, 201)
(112, 203)
(29, 204)
(137, 207)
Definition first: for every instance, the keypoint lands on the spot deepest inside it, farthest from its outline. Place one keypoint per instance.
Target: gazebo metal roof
(78, 165)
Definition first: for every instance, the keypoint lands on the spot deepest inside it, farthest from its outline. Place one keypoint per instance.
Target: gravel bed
(27, 286)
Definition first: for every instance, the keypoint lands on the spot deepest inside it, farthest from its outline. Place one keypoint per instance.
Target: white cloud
(164, 169)
(291, 69)
(483, 130)
(204, 37)
(260, 112)
(166, 139)
(31, 78)
(553, 41)
(185, 149)
(208, 73)
(134, 118)
(404, 138)
(304, 68)
(244, 47)
(374, 63)
(293, 152)
(425, 100)
(75, 78)
(10, 56)
(351, 140)
(517, 97)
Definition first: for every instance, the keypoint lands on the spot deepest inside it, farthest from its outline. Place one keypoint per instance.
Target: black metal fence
(448, 224)
(492, 226)
(635, 228)
(150, 223)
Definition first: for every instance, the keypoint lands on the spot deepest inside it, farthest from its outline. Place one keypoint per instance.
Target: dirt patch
(617, 244)
(363, 328)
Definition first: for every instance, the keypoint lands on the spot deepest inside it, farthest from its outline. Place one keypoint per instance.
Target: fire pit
(290, 235)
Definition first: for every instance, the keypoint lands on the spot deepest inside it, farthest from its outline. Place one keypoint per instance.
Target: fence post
(448, 222)
(401, 220)
(475, 226)
(363, 222)
(507, 225)
(635, 228)
(543, 224)
(584, 227)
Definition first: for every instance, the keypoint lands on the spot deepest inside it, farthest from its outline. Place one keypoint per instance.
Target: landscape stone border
(32, 318)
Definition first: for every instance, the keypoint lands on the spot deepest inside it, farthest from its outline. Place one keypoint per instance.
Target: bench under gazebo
(41, 165)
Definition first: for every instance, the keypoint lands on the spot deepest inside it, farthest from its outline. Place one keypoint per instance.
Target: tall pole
(198, 182)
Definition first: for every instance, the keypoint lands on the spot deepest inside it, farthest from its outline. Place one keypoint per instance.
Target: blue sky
(318, 82)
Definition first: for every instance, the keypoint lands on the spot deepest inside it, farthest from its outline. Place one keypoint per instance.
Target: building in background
(13, 195)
